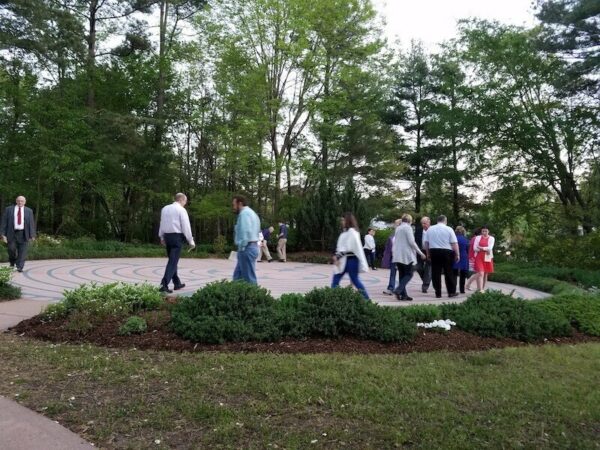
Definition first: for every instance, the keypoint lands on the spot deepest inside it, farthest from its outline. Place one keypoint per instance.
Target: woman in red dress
(484, 256)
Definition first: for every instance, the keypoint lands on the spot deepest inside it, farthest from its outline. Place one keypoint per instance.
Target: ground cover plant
(582, 311)
(7, 290)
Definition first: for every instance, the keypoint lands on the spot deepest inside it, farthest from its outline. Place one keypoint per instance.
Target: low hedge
(545, 284)
(493, 314)
(9, 292)
(582, 311)
(236, 311)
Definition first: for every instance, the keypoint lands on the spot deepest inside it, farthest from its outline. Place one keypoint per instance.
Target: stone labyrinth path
(47, 280)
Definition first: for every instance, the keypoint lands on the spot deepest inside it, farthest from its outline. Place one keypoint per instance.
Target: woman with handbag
(483, 248)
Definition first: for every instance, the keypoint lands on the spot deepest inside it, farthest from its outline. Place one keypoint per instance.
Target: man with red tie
(17, 229)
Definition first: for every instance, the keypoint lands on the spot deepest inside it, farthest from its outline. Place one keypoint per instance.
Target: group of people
(263, 243)
(429, 250)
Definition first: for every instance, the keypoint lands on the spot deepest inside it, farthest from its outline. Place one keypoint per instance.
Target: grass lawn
(529, 397)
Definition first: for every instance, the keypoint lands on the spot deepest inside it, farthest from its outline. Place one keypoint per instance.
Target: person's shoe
(179, 286)
(165, 289)
(388, 292)
(19, 270)
(438, 295)
(270, 260)
(462, 292)
(374, 268)
(398, 296)
(259, 261)
(424, 291)
(453, 295)
(406, 298)
(12, 266)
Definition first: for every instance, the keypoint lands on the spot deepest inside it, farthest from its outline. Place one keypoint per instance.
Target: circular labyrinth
(47, 280)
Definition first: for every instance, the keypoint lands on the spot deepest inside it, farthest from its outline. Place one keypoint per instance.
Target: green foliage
(6, 274)
(101, 301)
(582, 311)
(220, 245)
(9, 292)
(421, 313)
(133, 325)
(493, 314)
(336, 313)
(226, 312)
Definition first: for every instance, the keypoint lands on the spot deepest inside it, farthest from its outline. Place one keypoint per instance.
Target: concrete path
(45, 281)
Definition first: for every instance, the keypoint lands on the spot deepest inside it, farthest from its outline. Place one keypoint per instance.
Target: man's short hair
(240, 199)
(441, 219)
(179, 196)
(425, 219)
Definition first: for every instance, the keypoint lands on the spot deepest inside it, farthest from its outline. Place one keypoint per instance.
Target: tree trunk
(91, 56)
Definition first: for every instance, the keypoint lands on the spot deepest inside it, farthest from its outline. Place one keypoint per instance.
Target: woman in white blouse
(349, 255)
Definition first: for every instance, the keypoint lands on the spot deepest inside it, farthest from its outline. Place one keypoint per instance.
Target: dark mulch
(160, 338)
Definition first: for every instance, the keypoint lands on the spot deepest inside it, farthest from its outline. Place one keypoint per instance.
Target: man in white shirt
(17, 228)
(174, 230)
(441, 246)
(370, 247)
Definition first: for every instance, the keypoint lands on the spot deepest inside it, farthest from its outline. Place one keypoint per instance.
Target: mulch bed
(161, 338)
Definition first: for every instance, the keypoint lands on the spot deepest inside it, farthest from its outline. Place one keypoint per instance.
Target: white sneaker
(388, 292)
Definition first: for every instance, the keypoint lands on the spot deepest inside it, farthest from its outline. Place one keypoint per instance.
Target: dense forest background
(109, 107)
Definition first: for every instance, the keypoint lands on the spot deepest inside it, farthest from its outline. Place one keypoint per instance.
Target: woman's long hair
(350, 221)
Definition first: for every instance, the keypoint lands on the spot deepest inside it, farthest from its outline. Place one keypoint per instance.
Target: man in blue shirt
(247, 229)
(282, 242)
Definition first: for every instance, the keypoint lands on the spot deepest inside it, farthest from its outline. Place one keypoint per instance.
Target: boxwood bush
(226, 312)
(582, 311)
(133, 325)
(493, 314)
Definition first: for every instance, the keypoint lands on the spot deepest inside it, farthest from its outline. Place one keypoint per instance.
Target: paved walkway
(45, 281)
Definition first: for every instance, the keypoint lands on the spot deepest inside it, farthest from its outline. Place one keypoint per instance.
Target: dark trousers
(174, 243)
(463, 274)
(424, 271)
(370, 258)
(17, 250)
(405, 273)
(442, 260)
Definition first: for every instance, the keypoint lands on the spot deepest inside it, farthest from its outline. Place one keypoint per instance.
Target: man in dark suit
(17, 229)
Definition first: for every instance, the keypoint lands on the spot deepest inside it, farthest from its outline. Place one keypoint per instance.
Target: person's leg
(335, 282)
(436, 271)
(479, 281)
(392, 280)
(463, 279)
(12, 252)
(352, 267)
(406, 273)
(280, 249)
(426, 278)
(449, 277)
(266, 252)
(173, 243)
(284, 249)
(471, 279)
(237, 272)
(249, 269)
(456, 273)
(21, 253)
(484, 282)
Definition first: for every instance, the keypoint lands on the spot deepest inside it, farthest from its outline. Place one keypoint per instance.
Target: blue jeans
(245, 268)
(173, 243)
(351, 269)
(392, 282)
(405, 273)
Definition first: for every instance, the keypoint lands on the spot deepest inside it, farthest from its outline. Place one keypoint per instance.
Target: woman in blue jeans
(349, 256)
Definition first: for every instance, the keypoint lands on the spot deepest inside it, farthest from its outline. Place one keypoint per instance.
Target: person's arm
(456, 251)
(32, 231)
(413, 243)
(426, 246)
(245, 230)
(186, 228)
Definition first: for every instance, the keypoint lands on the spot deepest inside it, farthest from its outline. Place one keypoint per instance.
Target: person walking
(174, 231)
(264, 248)
(282, 241)
(404, 256)
(474, 276)
(483, 248)
(370, 248)
(387, 260)
(247, 228)
(423, 265)
(17, 230)
(441, 246)
(349, 256)
(461, 268)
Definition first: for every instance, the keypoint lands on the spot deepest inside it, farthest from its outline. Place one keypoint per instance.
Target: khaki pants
(281, 250)
(264, 251)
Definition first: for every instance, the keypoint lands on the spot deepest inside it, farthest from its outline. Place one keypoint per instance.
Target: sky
(433, 21)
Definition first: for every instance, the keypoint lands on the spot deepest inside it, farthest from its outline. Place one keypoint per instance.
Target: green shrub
(493, 314)
(582, 311)
(421, 313)
(9, 292)
(6, 274)
(115, 299)
(80, 322)
(226, 312)
(310, 257)
(220, 244)
(133, 325)
(339, 312)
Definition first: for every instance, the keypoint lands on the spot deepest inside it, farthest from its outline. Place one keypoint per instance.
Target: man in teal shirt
(247, 229)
